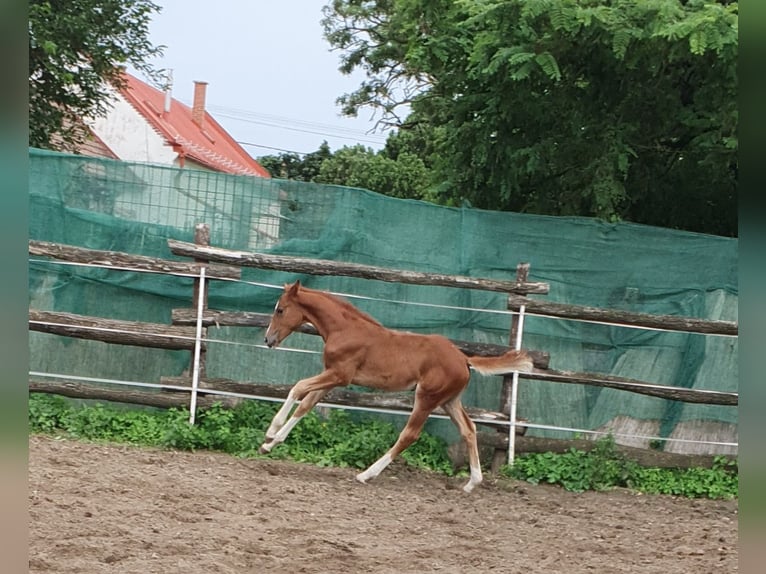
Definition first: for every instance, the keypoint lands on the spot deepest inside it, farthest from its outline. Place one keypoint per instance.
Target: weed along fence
(188, 331)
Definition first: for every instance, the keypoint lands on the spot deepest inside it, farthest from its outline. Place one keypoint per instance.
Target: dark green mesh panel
(104, 204)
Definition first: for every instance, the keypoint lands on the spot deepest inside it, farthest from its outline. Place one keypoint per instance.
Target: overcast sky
(272, 79)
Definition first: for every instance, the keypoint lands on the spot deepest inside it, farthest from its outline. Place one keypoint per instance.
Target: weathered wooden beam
(173, 398)
(160, 399)
(117, 260)
(201, 237)
(119, 332)
(632, 385)
(597, 315)
(327, 267)
(213, 318)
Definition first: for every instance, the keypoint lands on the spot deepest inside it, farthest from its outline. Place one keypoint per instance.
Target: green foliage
(604, 467)
(357, 166)
(618, 110)
(720, 481)
(46, 413)
(49, 414)
(404, 175)
(75, 51)
(293, 166)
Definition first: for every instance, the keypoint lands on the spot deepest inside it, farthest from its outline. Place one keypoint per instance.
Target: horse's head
(287, 317)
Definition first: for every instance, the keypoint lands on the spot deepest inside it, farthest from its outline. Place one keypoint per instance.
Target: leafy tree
(396, 171)
(358, 166)
(609, 108)
(293, 166)
(76, 49)
(282, 166)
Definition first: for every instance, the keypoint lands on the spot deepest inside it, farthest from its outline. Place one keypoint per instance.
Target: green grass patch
(604, 467)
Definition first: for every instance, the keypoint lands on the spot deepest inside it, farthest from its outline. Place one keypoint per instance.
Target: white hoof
(469, 487)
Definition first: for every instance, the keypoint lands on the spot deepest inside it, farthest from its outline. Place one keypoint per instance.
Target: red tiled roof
(210, 145)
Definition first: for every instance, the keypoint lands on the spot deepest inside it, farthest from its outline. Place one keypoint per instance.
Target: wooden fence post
(500, 456)
(201, 237)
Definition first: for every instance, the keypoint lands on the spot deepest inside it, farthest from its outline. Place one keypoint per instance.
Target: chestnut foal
(359, 350)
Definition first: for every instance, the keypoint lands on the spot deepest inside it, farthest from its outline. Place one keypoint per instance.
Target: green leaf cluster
(604, 467)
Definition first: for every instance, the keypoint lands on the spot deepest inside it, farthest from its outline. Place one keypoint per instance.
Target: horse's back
(398, 360)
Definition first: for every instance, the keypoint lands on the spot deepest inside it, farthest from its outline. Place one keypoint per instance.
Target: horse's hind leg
(409, 434)
(467, 429)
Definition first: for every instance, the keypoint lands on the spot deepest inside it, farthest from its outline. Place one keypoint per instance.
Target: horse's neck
(326, 313)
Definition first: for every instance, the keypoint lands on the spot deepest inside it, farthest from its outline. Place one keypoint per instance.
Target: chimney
(198, 107)
(168, 91)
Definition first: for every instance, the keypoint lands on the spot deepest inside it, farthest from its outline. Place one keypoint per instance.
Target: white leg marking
(285, 430)
(475, 479)
(281, 416)
(280, 436)
(375, 469)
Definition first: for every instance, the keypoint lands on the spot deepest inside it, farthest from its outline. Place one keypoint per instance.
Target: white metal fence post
(197, 346)
(514, 393)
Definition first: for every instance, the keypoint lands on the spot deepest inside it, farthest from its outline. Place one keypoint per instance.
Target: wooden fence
(189, 330)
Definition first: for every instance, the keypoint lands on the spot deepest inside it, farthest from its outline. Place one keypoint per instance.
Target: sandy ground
(119, 509)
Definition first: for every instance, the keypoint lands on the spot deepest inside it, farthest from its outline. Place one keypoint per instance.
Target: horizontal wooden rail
(212, 318)
(118, 260)
(327, 267)
(342, 397)
(597, 315)
(155, 335)
(97, 392)
(640, 387)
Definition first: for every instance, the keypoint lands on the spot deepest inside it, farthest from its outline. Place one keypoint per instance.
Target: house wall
(131, 138)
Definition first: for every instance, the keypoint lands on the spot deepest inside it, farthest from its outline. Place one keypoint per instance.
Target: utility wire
(306, 131)
(270, 118)
(275, 148)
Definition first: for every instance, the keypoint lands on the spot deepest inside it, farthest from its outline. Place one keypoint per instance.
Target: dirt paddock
(114, 508)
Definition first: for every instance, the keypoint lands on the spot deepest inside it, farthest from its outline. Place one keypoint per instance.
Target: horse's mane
(345, 306)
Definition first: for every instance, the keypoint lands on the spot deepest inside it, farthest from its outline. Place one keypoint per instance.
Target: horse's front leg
(309, 392)
(281, 417)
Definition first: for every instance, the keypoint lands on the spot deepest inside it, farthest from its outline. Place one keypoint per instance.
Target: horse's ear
(293, 289)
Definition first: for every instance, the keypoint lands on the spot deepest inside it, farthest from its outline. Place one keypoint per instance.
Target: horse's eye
(280, 311)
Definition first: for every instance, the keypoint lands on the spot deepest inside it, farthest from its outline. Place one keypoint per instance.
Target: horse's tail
(513, 360)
